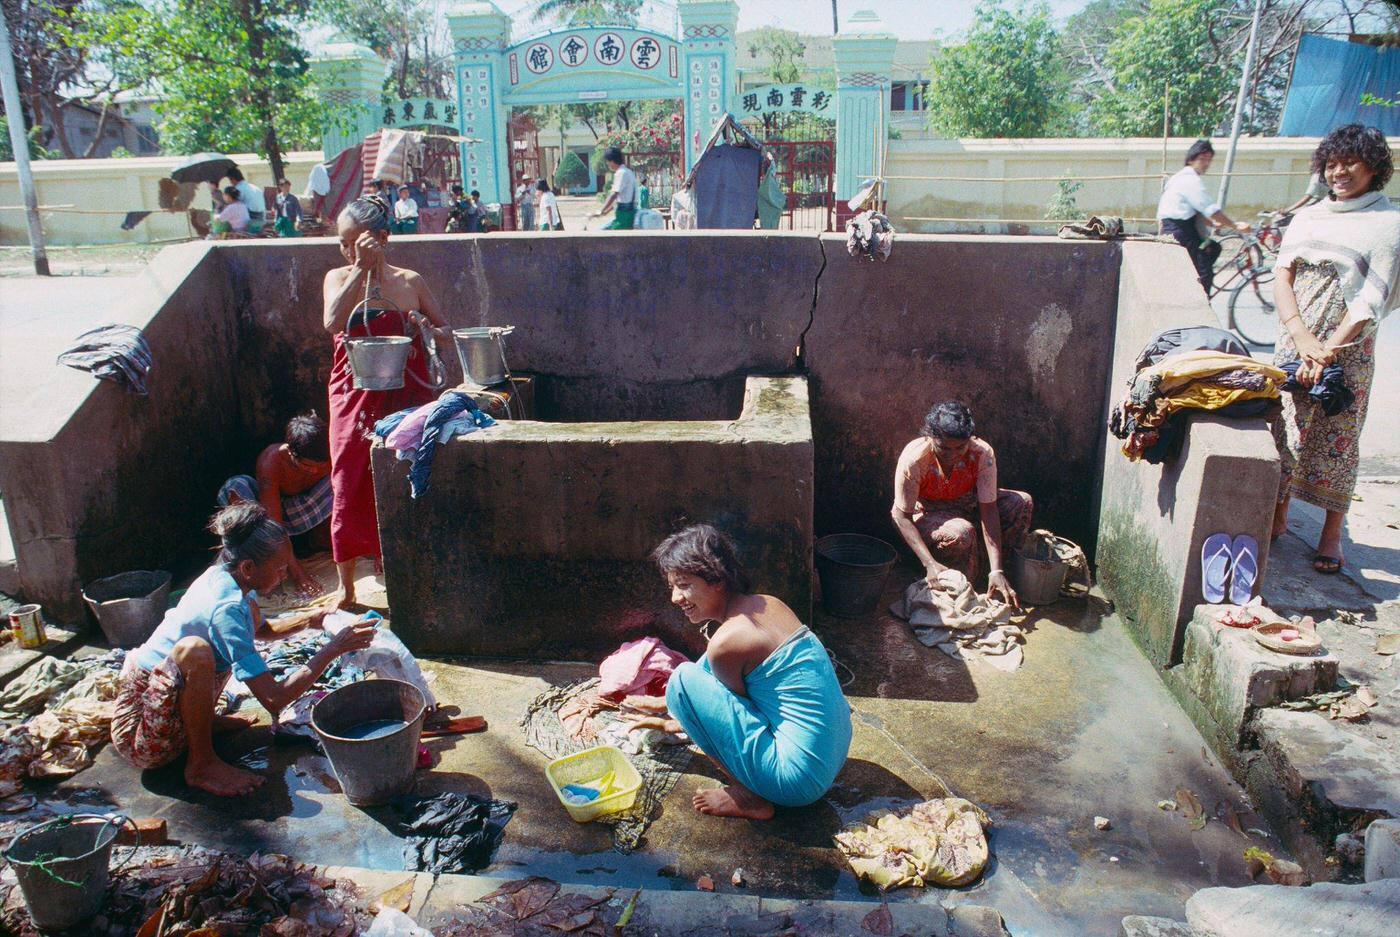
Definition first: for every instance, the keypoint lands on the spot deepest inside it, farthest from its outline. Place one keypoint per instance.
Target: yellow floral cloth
(938, 842)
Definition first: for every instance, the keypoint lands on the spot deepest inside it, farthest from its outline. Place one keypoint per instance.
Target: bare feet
(222, 779)
(345, 597)
(234, 722)
(733, 801)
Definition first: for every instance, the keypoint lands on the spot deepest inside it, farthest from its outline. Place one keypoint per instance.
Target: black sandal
(1332, 561)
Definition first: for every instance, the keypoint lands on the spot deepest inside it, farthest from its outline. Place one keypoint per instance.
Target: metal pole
(1239, 104)
(19, 142)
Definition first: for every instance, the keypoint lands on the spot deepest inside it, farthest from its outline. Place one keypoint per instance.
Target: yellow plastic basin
(587, 768)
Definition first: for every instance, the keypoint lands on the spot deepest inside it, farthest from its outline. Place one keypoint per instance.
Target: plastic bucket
(1037, 582)
(853, 569)
(62, 867)
(129, 606)
(482, 352)
(371, 770)
(378, 361)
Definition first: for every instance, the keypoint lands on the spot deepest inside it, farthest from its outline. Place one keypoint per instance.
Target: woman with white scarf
(1336, 279)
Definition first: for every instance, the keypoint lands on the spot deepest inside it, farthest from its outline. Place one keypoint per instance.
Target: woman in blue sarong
(763, 701)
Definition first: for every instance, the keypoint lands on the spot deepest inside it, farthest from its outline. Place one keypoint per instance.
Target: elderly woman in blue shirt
(169, 685)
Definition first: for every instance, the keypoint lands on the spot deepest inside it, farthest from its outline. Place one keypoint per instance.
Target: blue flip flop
(1244, 568)
(1216, 558)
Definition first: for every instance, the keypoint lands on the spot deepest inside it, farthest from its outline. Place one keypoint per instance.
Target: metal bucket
(371, 770)
(1037, 582)
(482, 352)
(129, 606)
(853, 569)
(377, 362)
(62, 867)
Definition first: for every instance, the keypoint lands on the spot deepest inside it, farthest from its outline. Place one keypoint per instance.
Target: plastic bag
(391, 922)
(387, 657)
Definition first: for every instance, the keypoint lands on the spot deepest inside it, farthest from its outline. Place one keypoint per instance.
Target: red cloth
(354, 523)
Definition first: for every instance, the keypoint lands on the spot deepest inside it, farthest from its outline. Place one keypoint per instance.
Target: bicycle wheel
(1231, 243)
(1251, 310)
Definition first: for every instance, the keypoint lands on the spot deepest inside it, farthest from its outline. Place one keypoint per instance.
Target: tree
(55, 75)
(589, 12)
(410, 34)
(1006, 80)
(1169, 43)
(232, 73)
(784, 50)
(571, 171)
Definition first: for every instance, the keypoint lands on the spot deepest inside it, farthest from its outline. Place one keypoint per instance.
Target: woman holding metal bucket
(368, 297)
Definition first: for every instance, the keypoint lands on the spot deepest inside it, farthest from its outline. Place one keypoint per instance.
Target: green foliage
(1170, 42)
(232, 73)
(1006, 80)
(571, 172)
(589, 12)
(120, 152)
(37, 150)
(1063, 205)
(784, 50)
(1367, 98)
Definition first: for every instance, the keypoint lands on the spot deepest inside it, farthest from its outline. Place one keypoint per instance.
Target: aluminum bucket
(129, 606)
(482, 352)
(62, 867)
(378, 361)
(371, 770)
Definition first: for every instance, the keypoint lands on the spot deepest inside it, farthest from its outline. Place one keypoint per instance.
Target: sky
(907, 19)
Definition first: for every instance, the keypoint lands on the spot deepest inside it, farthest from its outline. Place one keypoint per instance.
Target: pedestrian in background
(1184, 201)
(288, 211)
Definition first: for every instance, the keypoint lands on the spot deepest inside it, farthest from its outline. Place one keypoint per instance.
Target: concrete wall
(1155, 518)
(532, 540)
(1017, 327)
(88, 198)
(1270, 173)
(98, 480)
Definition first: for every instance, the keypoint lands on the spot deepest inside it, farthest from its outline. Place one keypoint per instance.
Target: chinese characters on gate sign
(784, 97)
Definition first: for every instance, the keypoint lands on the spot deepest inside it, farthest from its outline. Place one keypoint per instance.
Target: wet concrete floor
(1084, 728)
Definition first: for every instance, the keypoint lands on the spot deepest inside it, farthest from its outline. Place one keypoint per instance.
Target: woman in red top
(946, 479)
(385, 296)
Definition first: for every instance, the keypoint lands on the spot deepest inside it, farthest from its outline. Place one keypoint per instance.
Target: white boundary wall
(106, 189)
(911, 202)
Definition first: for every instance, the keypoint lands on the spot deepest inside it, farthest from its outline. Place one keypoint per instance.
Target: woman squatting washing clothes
(382, 298)
(170, 684)
(763, 701)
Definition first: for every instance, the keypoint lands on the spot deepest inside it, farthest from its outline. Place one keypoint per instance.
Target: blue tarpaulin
(1329, 78)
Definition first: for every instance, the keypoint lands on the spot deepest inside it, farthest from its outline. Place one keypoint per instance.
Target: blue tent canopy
(1329, 78)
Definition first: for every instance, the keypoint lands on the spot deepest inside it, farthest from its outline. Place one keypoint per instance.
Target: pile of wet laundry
(1206, 371)
(962, 623)
(58, 713)
(939, 842)
(414, 434)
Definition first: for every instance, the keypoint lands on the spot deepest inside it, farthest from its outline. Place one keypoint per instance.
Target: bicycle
(1250, 260)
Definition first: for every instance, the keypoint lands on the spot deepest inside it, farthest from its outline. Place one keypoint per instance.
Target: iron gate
(803, 147)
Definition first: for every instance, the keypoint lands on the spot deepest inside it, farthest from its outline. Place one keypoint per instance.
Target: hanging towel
(113, 353)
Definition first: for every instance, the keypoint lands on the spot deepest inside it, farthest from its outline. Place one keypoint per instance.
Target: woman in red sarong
(388, 294)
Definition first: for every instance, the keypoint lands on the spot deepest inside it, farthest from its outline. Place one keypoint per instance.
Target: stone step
(1137, 925)
(1325, 910)
(1226, 677)
(1312, 779)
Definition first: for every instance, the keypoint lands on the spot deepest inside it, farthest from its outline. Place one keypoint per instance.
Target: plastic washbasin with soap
(603, 771)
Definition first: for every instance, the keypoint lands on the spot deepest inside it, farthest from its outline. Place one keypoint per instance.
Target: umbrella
(203, 167)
